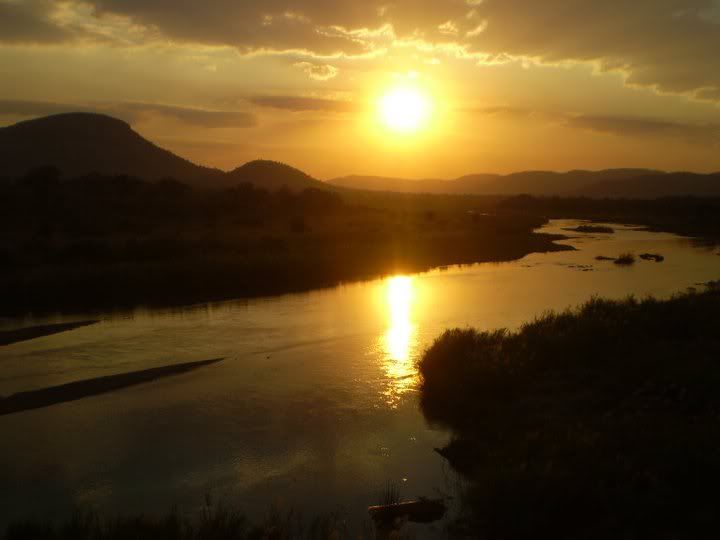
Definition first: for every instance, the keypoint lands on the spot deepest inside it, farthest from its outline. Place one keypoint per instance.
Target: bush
(591, 423)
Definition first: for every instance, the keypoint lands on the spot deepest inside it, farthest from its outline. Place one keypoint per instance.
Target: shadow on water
(53, 395)
(9, 337)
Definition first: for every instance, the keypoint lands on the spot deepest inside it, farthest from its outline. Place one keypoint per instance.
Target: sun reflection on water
(399, 341)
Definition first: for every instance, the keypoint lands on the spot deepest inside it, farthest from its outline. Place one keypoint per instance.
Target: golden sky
(513, 84)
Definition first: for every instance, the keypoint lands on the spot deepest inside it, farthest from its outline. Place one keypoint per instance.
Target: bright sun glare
(399, 340)
(405, 109)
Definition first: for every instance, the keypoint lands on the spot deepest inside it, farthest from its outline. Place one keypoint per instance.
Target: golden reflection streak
(399, 339)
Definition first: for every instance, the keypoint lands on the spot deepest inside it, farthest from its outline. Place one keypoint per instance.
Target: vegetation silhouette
(655, 257)
(98, 241)
(602, 229)
(595, 423)
(625, 259)
(691, 216)
(214, 521)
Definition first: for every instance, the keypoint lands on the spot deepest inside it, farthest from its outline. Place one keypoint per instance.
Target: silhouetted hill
(529, 182)
(654, 186)
(86, 143)
(549, 182)
(272, 175)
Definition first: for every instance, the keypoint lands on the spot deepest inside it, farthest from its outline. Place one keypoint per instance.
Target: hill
(86, 143)
(272, 175)
(528, 182)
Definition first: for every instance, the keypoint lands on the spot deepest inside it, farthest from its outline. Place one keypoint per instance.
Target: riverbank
(595, 423)
(697, 217)
(231, 262)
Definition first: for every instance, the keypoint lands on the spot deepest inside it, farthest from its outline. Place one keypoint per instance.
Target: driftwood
(420, 511)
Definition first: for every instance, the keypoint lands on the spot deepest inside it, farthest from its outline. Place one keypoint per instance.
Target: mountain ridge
(86, 143)
(531, 182)
(81, 144)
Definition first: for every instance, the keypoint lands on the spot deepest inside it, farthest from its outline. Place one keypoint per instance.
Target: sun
(404, 109)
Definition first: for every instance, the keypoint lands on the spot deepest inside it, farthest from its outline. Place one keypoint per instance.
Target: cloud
(620, 125)
(133, 112)
(667, 44)
(318, 72)
(191, 116)
(670, 45)
(629, 126)
(302, 104)
(29, 21)
(502, 110)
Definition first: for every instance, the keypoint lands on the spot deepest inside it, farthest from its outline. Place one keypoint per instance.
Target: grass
(625, 259)
(313, 261)
(213, 522)
(390, 494)
(655, 257)
(603, 229)
(101, 243)
(600, 422)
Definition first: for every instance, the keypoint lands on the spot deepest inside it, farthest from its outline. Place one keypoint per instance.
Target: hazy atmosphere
(509, 84)
(359, 269)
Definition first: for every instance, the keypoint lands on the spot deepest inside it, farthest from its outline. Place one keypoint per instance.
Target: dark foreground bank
(212, 522)
(602, 422)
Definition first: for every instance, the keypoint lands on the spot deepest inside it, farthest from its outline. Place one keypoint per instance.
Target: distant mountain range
(611, 183)
(86, 143)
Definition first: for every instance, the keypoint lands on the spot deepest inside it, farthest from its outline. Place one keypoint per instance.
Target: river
(314, 407)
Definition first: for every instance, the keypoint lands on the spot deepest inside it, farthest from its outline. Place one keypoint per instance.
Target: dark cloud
(194, 117)
(28, 21)
(300, 104)
(624, 126)
(668, 44)
(133, 112)
(319, 27)
(671, 45)
(648, 127)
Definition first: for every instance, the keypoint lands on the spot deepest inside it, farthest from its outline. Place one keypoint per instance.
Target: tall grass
(625, 259)
(600, 422)
(213, 522)
(390, 494)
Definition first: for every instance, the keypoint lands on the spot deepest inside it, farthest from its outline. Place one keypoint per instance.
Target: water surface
(315, 405)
